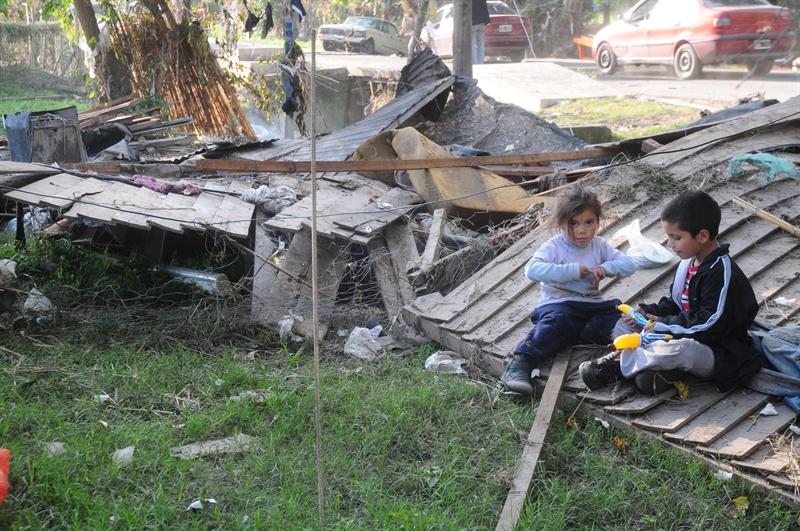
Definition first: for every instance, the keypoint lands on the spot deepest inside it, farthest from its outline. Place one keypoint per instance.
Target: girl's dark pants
(561, 324)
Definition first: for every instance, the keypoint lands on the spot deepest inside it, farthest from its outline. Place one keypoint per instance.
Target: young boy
(709, 309)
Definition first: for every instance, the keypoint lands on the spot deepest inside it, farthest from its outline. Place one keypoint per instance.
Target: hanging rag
(164, 187)
(268, 22)
(297, 7)
(251, 22)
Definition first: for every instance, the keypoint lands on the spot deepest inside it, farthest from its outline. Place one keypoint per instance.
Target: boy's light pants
(683, 354)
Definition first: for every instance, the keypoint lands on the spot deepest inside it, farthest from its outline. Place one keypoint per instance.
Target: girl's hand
(599, 273)
(585, 271)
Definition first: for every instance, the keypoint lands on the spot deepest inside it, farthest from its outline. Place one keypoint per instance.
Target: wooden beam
(533, 446)
(462, 38)
(433, 246)
(290, 166)
(763, 214)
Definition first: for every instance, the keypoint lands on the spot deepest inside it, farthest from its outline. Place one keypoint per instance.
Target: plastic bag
(644, 252)
(363, 343)
(771, 164)
(445, 361)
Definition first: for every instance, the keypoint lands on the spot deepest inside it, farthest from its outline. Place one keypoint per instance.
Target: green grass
(404, 447)
(627, 118)
(24, 88)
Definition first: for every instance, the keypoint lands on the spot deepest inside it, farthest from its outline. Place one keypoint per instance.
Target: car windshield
(735, 3)
(499, 8)
(364, 22)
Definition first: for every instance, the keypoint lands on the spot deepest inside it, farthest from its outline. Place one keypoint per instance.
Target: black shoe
(656, 382)
(600, 372)
(517, 377)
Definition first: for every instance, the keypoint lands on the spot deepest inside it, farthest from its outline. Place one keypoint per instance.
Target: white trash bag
(363, 343)
(644, 252)
(446, 361)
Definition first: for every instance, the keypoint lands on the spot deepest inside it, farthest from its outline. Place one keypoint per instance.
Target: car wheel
(686, 63)
(760, 68)
(606, 60)
(369, 47)
(327, 46)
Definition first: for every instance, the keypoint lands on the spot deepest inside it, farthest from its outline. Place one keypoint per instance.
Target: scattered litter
(794, 429)
(621, 443)
(535, 373)
(123, 457)
(271, 200)
(445, 361)
(229, 445)
(207, 281)
(286, 325)
(740, 506)
(683, 389)
(102, 399)
(784, 301)
(768, 411)
(197, 505)
(432, 475)
(218, 382)
(297, 339)
(602, 422)
(721, 475)
(341, 332)
(54, 448)
(102, 423)
(363, 343)
(357, 370)
(255, 394)
(37, 304)
(644, 252)
(771, 164)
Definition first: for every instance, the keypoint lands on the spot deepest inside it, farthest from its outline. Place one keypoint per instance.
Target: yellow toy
(636, 315)
(638, 340)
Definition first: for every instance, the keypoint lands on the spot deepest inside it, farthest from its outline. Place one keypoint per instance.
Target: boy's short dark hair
(694, 211)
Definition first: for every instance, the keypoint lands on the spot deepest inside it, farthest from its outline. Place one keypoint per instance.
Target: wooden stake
(533, 447)
(763, 214)
(432, 246)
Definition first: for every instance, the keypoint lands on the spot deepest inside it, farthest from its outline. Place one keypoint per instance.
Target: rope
(315, 274)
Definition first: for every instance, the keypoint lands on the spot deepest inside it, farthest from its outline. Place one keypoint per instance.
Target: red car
(689, 34)
(507, 33)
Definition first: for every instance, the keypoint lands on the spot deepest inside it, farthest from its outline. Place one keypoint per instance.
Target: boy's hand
(653, 320)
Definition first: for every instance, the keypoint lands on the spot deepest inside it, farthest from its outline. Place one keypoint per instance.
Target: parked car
(363, 34)
(507, 34)
(689, 34)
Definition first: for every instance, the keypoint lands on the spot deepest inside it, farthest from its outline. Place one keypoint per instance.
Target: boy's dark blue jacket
(721, 308)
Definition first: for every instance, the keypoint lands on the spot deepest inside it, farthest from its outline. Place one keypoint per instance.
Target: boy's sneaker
(517, 377)
(600, 372)
(656, 382)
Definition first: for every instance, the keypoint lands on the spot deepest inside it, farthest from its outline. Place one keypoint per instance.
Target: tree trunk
(113, 77)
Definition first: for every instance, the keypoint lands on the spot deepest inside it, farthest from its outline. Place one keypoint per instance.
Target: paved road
(532, 83)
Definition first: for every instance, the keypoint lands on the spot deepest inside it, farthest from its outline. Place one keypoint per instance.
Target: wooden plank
(386, 275)
(286, 288)
(533, 446)
(789, 480)
(8, 167)
(748, 435)
(675, 414)
(766, 460)
(263, 272)
(302, 166)
(361, 199)
(331, 262)
(720, 418)
(233, 217)
(385, 210)
(640, 403)
(610, 395)
(433, 246)
(45, 189)
(402, 250)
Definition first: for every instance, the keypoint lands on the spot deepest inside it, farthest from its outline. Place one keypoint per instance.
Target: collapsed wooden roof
(486, 316)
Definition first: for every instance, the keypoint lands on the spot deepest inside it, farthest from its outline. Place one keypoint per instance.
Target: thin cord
(315, 275)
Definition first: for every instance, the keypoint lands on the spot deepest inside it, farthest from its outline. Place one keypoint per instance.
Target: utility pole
(462, 38)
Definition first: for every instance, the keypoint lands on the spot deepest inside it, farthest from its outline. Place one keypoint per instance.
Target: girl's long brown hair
(573, 201)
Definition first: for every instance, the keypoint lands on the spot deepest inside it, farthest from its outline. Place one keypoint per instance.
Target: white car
(363, 34)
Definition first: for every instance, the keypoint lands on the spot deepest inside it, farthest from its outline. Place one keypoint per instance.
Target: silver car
(363, 34)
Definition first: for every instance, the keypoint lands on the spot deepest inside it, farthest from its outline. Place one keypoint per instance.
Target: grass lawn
(23, 88)
(404, 447)
(626, 117)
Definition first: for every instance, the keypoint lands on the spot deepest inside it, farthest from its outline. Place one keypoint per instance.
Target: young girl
(569, 268)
